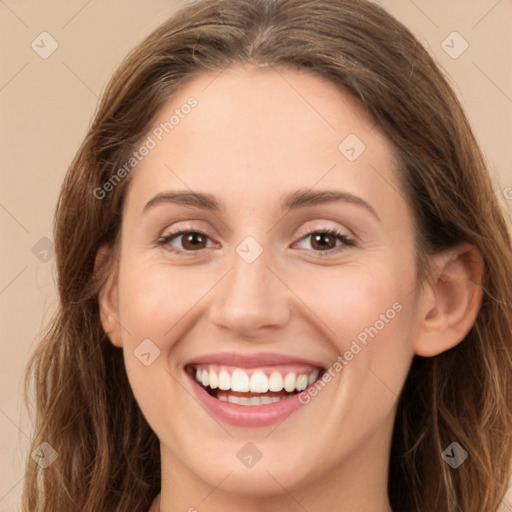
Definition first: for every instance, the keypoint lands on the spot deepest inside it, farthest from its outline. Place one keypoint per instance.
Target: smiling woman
(300, 296)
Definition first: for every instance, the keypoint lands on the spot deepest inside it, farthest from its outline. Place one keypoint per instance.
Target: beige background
(47, 105)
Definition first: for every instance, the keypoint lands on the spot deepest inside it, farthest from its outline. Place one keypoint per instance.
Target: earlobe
(107, 298)
(451, 306)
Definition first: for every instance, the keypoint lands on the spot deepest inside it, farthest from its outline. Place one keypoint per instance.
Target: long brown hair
(108, 457)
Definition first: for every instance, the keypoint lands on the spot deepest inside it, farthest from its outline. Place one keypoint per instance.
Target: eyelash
(347, 241)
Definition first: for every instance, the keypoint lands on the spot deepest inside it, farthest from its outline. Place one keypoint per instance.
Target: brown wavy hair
(108, 456)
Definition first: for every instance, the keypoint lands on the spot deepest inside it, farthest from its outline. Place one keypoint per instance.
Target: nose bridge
(250, 297)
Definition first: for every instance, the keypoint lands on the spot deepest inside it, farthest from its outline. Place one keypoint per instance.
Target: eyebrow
(298, 199)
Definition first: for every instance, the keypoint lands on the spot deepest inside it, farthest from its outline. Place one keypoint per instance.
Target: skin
(256, 135)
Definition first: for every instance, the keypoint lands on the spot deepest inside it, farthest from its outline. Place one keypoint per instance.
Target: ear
(104, 264)
(451, 300)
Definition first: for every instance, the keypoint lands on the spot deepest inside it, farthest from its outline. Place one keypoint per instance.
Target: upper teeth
(258, 382)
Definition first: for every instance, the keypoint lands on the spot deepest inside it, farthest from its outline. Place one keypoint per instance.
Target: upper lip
(251, 360)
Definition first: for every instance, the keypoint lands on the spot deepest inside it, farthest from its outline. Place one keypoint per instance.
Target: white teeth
(313, 376)
(234, 399)
(254, 400)
(214, 383)
(301, 383)
(289, 382)
(259, 383)
(239, 381)
(224, 380)
(275, 383)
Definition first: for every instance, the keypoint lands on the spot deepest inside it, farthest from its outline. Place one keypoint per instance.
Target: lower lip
(246, 415)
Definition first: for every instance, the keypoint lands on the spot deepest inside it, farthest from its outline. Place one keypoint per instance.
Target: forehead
(255, 131)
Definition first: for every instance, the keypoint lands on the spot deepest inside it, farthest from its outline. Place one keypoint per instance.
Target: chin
(264, 479)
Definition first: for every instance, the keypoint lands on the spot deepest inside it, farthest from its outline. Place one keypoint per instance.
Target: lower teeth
(253, 400)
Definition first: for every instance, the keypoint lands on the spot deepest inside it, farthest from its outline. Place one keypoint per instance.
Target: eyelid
(348, 239)
(311, 227)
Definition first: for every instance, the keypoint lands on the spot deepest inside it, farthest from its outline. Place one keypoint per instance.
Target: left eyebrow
(302, 198)
(298, 199)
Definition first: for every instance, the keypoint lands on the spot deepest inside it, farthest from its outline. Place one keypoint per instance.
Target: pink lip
(252, 360)
(246, 416)
(241, 415)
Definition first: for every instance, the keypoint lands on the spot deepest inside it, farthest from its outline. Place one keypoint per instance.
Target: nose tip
(250, 300)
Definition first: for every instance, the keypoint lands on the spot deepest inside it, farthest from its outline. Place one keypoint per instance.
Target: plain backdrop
(47, 104)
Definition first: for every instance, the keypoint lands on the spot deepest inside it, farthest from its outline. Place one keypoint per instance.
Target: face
(304, 275)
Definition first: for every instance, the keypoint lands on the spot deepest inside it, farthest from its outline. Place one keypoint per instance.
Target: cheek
(366, 313)
(349, 299)
(155, 297)
(370, 313)
(154, 301)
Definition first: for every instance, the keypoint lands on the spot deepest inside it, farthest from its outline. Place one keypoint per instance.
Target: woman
(338, 339)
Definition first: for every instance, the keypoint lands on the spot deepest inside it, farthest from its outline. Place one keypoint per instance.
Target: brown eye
(322, 241)
(325, 240)
(191, 241)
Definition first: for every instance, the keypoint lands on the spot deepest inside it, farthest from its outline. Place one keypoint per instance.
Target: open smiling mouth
(253, 386)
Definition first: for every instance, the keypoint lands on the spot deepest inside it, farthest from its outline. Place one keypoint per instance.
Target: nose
(252, 299)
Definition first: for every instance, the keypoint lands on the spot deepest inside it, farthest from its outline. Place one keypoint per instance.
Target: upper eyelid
(351, 240)
(303, 231)
(313, 229)
(308, 226)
